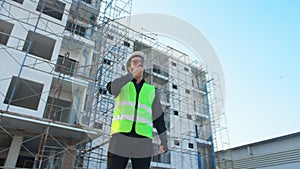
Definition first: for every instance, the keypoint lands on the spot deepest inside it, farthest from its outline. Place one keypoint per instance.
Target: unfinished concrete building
(58, 57)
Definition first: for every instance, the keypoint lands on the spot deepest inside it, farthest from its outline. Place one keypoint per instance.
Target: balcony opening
(41, 46)
(174, 86)
(98, 125)
(53, 8)
(25, 162)
(110, 37)
(66, 65)
(175, 112)
(5, 30)
(187, 91)
(19, 1)
(58, 110)
(87, 1)
(76, 28)
(176, 142)
(107, 61)
(162, 158)
(191, 145)
(127, 44)
(102, 91)
(157, 69)
(27, 93)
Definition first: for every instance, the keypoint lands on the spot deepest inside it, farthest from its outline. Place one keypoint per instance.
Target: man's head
(136, 59)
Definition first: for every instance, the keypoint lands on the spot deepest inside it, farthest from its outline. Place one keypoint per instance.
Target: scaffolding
(110, 50)
(219, 135)
(68, 122)
(75, 29)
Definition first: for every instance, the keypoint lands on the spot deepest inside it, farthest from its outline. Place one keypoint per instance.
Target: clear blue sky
(258, 44)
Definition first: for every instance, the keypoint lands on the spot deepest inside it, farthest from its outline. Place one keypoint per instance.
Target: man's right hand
(137, 72)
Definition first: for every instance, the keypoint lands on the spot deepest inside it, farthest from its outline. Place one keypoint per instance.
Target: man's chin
(139, 76)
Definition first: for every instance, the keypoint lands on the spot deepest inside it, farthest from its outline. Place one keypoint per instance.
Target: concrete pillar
(51, 159)
(69, 157)
(14, 150)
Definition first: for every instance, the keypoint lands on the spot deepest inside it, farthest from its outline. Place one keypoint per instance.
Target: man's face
(136, 62)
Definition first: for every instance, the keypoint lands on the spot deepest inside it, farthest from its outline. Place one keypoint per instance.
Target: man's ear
(129, 69)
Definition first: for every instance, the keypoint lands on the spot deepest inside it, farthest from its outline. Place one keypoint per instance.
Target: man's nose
(140, 64)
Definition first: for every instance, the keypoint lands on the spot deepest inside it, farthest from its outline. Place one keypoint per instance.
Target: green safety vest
(123, 116)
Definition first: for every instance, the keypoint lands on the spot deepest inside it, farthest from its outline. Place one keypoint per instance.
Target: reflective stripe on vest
(125, 107)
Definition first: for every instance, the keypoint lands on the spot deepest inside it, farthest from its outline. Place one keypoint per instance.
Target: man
(137, 110)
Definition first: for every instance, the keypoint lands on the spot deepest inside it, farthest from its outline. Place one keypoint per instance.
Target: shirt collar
(134, 81)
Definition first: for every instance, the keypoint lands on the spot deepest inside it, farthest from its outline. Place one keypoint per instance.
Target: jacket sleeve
(158, 119)
(114, 87)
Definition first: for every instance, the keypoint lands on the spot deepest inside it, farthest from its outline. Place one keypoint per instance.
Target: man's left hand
(161, 149)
